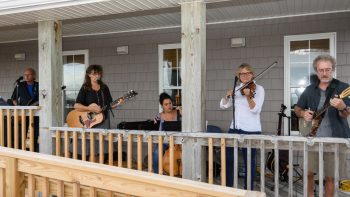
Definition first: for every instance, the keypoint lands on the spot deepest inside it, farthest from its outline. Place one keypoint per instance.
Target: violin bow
(258, 76)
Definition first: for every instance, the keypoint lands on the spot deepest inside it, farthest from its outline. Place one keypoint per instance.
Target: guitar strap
(329, 96)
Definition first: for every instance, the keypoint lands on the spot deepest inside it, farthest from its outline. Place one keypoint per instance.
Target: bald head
(29, 75)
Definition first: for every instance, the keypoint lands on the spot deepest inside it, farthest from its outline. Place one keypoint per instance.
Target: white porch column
(193, 47)
(50, 80)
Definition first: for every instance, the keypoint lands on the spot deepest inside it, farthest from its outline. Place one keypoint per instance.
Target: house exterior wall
(139, 69)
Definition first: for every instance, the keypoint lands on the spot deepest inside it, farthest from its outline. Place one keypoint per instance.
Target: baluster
(24, 129)
(262, 166)
(129, 153)
(60, 189)
(46, 186)
(2, 128)
(15, 124)
(92, 147)
(235, 161)
(76, 189)
(139, 152)
(320, 168)
(31, 130)
(171, 149)
(31, 185)
(75, 145)
(336, 168)
(66, 144)
(249, 166)
(305, 172)
(223, 162)
(160, 154)
(120, 150)
(58, 143)
(210, 168)
(83, 146)
(101, 147)
(150, 162)
(110, 149)
(9, 129)
(290, 169)
(276, 169)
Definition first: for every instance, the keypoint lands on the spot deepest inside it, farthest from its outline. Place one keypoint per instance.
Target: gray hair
(328, 58)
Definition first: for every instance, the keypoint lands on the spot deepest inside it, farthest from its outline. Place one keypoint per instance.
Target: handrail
(103, 177)
(293, 145)
(272, 138)
(21, 107)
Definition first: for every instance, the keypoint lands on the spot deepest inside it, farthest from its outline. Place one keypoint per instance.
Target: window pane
(171, 71)
(295, 95)
(299, 51)
(299, 74)
(73, 75)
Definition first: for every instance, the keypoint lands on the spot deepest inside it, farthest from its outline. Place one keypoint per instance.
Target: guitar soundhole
(90, 116)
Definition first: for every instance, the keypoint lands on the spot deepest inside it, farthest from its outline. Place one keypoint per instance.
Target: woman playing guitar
(92, 97)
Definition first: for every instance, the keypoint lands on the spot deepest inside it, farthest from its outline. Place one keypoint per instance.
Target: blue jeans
(230, 158)
(155, 157)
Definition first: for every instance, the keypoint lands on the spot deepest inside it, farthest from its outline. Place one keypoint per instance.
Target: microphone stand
(17, 93)
(233, 103)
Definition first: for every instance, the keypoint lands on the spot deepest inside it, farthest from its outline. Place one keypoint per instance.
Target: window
(170, 71)
(74, 65)
(299, 53)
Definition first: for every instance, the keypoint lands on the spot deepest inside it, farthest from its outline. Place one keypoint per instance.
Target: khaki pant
(328, 163)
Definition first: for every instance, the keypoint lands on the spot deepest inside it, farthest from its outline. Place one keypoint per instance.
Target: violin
(252, 87)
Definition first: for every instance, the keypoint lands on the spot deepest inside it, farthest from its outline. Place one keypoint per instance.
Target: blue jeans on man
(155, 156)
(230, 158)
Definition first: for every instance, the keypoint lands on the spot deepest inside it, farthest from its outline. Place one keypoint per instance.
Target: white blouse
(246, 119)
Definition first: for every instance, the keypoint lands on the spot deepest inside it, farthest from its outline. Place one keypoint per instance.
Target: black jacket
(23, 97)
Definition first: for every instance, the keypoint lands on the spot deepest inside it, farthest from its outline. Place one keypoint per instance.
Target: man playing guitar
(326, 91)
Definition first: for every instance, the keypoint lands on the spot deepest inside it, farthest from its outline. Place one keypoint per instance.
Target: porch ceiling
(88, 17)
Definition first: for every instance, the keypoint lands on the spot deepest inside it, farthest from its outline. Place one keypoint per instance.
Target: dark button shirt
(310, 98)
(102, 97)
(23, 97)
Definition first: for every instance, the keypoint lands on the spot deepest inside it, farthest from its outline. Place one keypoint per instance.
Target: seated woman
(168, 114)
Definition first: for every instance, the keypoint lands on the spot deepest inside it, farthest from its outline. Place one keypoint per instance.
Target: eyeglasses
(326, 70)
(245, 74)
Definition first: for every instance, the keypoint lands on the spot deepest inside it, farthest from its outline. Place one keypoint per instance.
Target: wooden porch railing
(26, 173)
(16, 124)
(221, 141)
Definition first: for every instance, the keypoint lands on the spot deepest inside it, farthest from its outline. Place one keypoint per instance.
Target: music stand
(172, 126)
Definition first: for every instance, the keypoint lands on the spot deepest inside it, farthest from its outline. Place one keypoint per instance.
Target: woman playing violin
(248, 104)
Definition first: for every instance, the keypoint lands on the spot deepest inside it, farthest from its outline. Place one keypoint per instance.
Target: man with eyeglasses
(247, 107)
(334, 122)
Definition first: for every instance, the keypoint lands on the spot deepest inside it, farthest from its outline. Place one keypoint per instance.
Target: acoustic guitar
(318, 116)
(80, 119)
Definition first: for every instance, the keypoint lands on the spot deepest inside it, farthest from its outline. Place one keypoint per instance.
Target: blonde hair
(247, 67)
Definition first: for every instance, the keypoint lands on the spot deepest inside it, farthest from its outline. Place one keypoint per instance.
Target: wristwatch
(345, 109)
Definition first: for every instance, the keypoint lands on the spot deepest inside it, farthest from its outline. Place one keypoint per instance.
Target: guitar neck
(112, 103)
(318, 114)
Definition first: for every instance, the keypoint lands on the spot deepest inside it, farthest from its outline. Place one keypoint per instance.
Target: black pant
(36, 132)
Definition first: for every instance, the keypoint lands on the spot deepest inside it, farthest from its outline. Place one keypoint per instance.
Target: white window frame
(86, 60)
(287, 39)
(78, 52)
(161, 49)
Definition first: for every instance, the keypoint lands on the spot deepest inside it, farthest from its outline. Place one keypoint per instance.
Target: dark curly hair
(164, 96)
